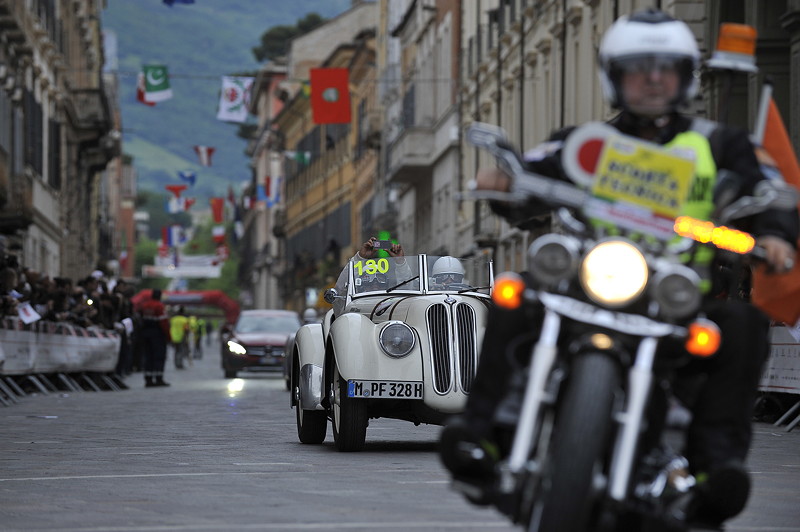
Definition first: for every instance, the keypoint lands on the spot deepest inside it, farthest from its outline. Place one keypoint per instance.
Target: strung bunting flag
(176, 189)
(217, 209)
(140, 90)
(156, 83)
(234, 98)
(302, 157)
(272, 190)
(218, 233)
(171, 2)
(330, 95)
(172, 235)
(188, 202)
(204, 154)
(238, 224)
(188, 176)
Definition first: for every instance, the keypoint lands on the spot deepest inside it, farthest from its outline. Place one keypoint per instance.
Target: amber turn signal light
(704, 338)
(508, 289)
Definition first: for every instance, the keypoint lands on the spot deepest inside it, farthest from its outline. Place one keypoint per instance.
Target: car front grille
(261, 350)
(453, 343)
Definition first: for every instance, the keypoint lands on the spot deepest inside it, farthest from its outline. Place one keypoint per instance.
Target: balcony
(411, 156)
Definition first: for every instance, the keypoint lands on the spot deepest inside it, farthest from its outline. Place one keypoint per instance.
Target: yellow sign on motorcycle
(643, 174)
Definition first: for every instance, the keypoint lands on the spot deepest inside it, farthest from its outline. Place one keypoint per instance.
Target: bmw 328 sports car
(401, 342)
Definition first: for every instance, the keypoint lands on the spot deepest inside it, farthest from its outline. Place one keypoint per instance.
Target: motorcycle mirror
(330, 295)
(485, 135)
(768, 194)
(780, 195)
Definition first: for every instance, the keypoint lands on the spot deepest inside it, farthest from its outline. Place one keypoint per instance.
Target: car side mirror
(330, 295)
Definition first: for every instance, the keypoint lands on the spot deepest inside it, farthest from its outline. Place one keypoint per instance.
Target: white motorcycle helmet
(648, 35)
(447, 266)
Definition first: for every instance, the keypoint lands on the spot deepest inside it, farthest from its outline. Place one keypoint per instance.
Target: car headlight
(676, 289)
(614, 273)
(552, 258)
(236, 348)
(397, 339)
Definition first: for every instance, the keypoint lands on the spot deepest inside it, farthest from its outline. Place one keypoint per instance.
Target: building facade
(55, 133)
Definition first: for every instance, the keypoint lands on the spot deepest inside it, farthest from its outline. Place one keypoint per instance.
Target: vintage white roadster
(401, 342)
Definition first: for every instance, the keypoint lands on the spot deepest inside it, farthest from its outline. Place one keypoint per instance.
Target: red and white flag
(204, 154)
(330, 95)
(140, 90)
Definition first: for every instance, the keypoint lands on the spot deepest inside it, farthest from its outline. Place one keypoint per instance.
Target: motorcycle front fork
(543, 357)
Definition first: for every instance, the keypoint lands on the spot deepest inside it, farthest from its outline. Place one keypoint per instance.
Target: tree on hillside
(275, 41)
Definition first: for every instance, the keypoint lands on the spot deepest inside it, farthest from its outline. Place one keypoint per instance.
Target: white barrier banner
(47, 347)
(782, 372)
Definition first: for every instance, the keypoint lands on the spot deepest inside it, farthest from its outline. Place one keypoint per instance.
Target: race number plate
(384, 389)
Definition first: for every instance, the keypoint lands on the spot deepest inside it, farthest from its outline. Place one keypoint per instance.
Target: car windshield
(453, 274)
(442, 274)
(267, 324)
(383, 273)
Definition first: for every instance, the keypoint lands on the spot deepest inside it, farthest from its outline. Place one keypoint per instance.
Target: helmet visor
(645, 64)
(449, 278)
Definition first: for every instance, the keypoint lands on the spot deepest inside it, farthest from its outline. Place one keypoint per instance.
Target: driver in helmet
(447, 274)
(648, 67)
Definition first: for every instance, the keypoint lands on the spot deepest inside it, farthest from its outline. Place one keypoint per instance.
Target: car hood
(260, 338)
(409, 309)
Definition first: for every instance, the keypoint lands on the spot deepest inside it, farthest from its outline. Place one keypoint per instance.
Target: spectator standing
(154, 335)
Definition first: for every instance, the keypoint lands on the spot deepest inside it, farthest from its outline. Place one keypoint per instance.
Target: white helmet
(648, 34)
(445, 266)
(309, 314)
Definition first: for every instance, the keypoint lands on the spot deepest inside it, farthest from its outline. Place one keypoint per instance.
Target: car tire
(312, 425)
(349, 416)
(230, 373)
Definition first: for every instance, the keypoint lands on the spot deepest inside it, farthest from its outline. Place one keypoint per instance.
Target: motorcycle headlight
(236, 348)
(552, 258)
(397, 339)
(676, 289)
(614, 273)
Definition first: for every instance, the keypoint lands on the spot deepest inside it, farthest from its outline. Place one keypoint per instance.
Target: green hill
(199, 43)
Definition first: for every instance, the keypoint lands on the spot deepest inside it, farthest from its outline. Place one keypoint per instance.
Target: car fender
(358, 354)
(309, 346)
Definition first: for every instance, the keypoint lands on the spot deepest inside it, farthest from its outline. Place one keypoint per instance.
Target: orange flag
(777, 143)
(779, 295)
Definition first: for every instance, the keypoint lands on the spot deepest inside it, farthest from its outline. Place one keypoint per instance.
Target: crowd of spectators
(93, 301)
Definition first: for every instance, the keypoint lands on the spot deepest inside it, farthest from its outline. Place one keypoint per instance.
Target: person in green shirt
(178, 328)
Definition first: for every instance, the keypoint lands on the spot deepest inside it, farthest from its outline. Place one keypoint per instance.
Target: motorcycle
(619, 276)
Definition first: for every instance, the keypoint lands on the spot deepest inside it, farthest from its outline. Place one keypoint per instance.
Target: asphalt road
(201, 456)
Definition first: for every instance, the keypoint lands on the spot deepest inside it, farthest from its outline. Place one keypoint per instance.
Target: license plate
(384, 389)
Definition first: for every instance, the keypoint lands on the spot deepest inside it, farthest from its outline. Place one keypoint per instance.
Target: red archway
(215, 298)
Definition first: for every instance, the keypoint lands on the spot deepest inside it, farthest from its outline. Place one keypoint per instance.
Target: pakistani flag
(156, 83)
(234, 98)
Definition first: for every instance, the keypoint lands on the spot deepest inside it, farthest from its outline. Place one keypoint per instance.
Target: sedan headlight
(552, 258)
(236, 348)
(397, 339)
(614, 273)
(676, 289)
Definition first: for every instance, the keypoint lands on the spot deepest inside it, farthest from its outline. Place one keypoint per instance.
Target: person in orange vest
(154, 335)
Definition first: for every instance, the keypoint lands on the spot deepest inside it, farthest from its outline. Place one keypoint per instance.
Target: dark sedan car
(257, 341)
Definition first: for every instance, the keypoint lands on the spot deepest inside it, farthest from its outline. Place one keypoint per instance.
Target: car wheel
(349, 417)
(312, 425)
(230, 373)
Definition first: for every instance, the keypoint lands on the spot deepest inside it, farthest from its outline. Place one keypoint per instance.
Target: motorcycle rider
(648, 69)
